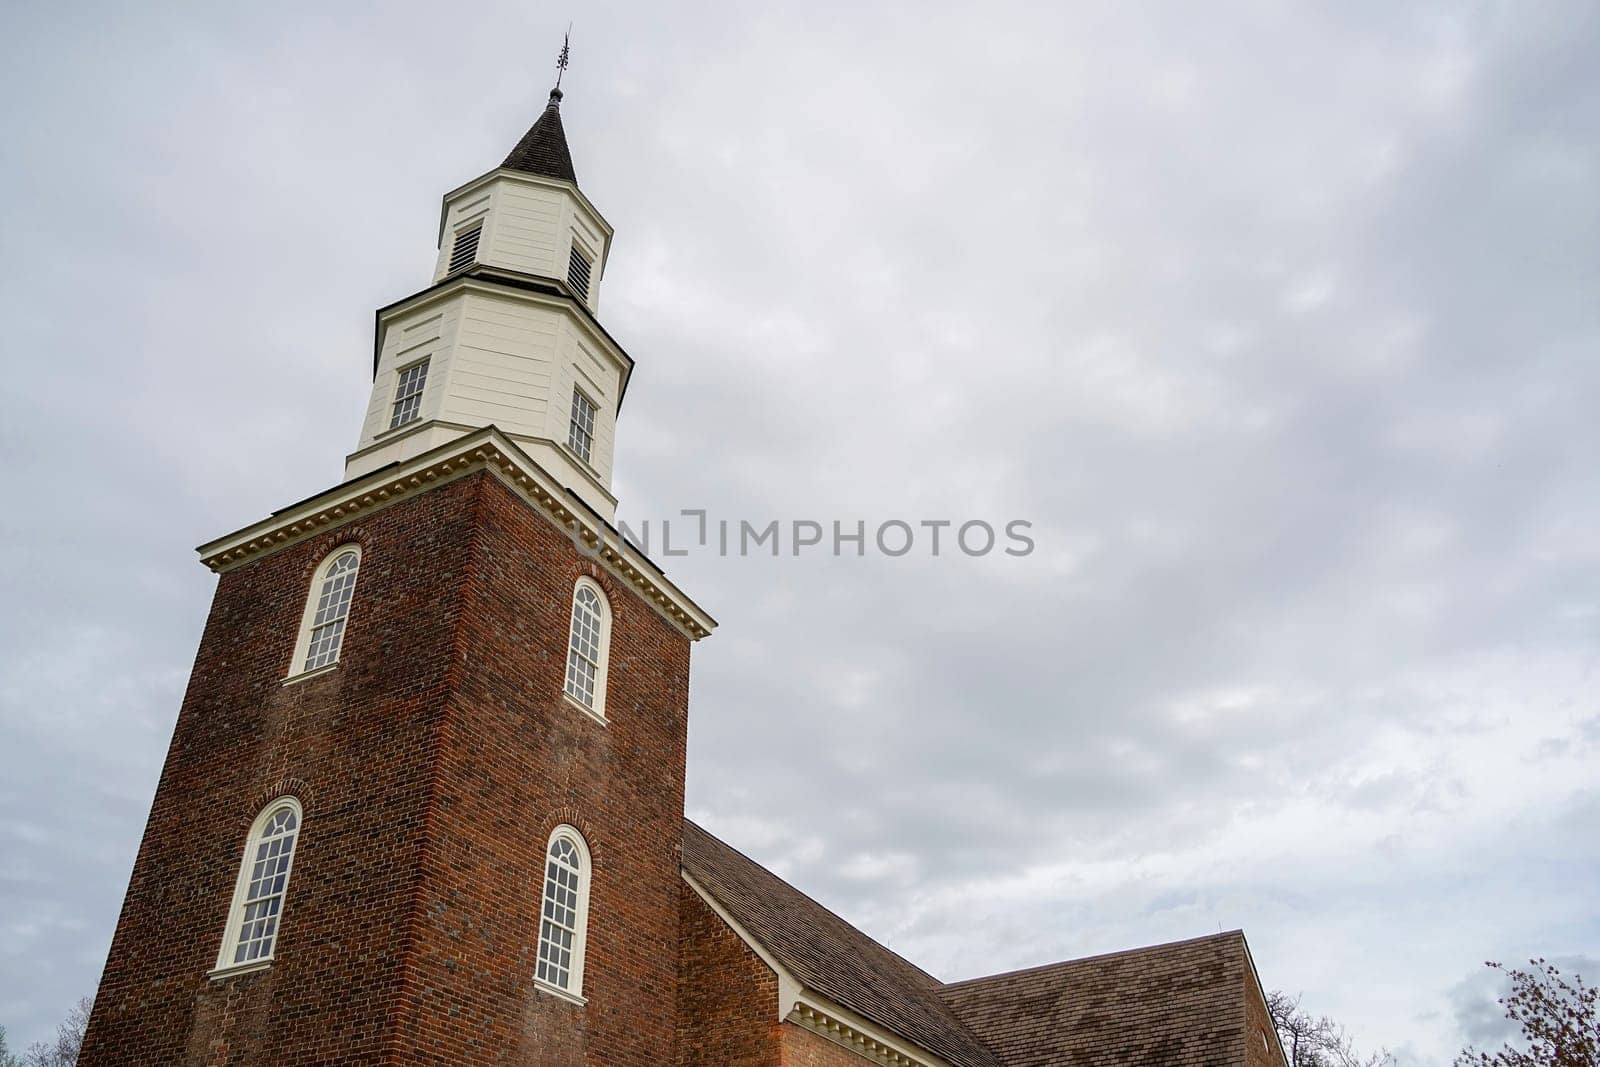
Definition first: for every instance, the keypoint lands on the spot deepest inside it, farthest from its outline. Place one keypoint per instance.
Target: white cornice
(806, 1008)
(410, 429)
(489, 287)
(846, 1028)
(571, 188)
(486, 449)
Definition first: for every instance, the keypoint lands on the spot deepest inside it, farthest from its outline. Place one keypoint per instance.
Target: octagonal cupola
(529, 216)
(508, 334)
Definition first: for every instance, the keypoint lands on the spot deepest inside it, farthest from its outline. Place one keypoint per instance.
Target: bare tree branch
(63, 1051)
(1316, 1041)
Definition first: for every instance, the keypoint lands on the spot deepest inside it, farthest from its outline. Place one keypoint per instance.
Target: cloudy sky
(1279, 323)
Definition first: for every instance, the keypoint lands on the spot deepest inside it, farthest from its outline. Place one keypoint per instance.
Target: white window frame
(394, 393)
(230, 933)
(598, 708)
(302, 645)
(573, 990)
(594, 424)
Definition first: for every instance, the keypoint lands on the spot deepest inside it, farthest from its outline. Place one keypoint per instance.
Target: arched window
(263, 883)
(564, 918)
(327, 610)
(588, 646)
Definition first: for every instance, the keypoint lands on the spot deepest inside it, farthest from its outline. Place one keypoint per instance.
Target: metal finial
(566, 53)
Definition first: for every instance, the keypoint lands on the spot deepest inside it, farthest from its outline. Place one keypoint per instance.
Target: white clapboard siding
(580, 368)
(502, 365)
(498, 355)
(528, 235)
(427, 334)
(530, 225)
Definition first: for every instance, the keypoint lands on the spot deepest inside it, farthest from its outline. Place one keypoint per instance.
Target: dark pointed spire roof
(543, 149)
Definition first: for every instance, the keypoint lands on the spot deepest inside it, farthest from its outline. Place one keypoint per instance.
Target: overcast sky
(1280, 324)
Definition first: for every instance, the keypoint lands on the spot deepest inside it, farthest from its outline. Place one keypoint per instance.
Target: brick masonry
(1261, 1043)
(728, 1003)
(802, 1048)
(432, 765)
(727, 995)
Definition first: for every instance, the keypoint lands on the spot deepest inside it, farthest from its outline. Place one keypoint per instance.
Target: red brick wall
(519, 760)
(1258, 1025)
(727, 996)
(431, 765)
(802, 1048)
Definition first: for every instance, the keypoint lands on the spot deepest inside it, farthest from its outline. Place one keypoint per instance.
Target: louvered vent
(578, 273)
(465, 250)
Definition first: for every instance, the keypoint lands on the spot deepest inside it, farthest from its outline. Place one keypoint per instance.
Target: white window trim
(594, 430)
(225, 967)
(302, 644)
(556, 991)
(394, 390)
(598, 712)
(580, 937)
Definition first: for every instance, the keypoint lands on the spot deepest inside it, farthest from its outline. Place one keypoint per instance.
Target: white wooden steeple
(507, 334)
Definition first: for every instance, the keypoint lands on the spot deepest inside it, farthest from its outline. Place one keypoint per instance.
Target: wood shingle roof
(543, 149)
(1174, 1005)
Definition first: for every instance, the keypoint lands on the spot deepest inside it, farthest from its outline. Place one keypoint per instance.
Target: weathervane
(566, 52)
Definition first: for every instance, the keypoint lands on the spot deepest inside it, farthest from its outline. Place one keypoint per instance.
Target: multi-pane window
(408, 393)
(262, 886)
(465, 250)
(333, 593)
(586, 649)
(580, 432)
(578, 267)
(562, 919)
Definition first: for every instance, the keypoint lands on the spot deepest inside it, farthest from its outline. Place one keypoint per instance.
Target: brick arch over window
(328, 543)
(569, 816)
(297, 789)
(609, 584)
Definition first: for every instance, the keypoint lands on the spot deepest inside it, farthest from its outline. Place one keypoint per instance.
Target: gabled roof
(543, 149)
(1176, 1005)
(829, 956)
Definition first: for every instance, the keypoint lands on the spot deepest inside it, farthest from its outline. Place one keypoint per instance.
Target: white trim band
(486, 449)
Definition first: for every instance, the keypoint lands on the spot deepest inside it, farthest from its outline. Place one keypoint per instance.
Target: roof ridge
(1037, 968)
(935, 983)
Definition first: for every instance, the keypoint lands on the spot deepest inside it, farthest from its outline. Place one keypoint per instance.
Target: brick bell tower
(424, 797)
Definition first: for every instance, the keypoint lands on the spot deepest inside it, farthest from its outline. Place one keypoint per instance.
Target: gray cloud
(1278, 324)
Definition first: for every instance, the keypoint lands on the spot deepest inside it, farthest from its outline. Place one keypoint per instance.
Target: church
(424, 799)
